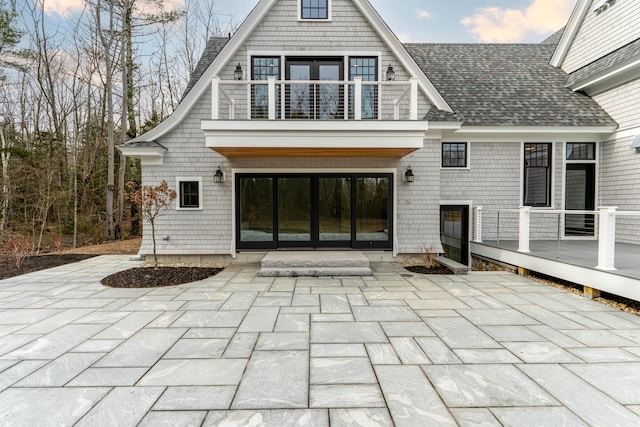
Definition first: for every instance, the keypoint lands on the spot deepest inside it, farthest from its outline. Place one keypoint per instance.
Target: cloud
(494, 24)
(423, 14)
(63, 7)
(67, 7)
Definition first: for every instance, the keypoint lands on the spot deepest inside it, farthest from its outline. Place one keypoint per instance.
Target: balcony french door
(314, 101)
(314, 211)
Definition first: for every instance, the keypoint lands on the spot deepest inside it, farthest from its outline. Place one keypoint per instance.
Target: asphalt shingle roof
(211, 50)
(614, 58)
(506, 85)
(491, 84)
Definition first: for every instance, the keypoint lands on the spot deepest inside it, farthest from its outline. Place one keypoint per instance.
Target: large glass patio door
(314, 211)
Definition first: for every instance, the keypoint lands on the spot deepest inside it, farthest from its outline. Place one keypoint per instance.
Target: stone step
(315, 263)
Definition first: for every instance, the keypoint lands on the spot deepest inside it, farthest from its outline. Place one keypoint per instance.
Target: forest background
(69, 94)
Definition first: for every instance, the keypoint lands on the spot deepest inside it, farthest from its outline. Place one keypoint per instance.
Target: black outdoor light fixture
(237, 74)
(408, 175)
(218, 178)
(391, 74)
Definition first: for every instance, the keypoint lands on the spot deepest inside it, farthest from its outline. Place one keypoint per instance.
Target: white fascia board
(204, 83)
(317, 126)
(293, 141)
(619, 74)
(533, 133)
(308, 134)
(383, 30)
(570, 32)
(445, 125)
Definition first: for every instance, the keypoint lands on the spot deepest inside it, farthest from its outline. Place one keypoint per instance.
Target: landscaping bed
(150, 277)
(37, 263)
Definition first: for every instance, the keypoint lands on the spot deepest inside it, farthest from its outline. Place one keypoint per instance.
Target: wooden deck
(575, 261)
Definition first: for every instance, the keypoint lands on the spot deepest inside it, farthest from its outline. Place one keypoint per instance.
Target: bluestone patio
(237, 349)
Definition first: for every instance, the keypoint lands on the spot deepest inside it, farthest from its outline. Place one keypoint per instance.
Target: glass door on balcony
(314, 101)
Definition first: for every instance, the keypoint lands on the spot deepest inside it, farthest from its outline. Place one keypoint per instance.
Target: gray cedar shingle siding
(506, 85)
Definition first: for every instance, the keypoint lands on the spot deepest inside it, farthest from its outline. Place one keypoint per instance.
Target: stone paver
(394, 348)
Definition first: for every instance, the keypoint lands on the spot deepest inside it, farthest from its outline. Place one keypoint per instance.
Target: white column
(413, 115)
(271, 81)
(357, 102)
(215, 98)
(525, 225)
(477, 231)
(607, 239)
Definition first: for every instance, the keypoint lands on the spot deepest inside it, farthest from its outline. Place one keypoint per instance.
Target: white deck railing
(273, 99)
(525, 224)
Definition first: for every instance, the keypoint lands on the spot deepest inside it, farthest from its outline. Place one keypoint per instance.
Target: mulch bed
(421, 269)
(38, 262)
(149, 277)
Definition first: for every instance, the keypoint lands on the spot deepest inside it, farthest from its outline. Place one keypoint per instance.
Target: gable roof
(201, 84)
(506, 85)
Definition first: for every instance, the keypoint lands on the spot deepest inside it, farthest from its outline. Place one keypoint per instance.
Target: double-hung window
(454, 154)
(537, 174)
(314, 9)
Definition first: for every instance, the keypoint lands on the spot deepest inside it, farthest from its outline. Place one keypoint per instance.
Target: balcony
(312, 118)
(314, 100)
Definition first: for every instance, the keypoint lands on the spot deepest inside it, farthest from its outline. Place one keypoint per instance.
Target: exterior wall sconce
(408, 175)
(218, 178)
(391, 74)
(237, 74)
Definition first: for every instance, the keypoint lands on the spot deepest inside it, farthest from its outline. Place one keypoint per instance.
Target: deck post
(524, 227)
(271, 82)
(215, 98)
(357, 98)
(607, 239)
(413, 115)
(477, 230)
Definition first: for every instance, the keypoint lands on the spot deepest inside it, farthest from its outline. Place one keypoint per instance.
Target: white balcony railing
(314, 100)
(524, 225)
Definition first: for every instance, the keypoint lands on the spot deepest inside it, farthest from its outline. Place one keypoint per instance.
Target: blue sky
(460, 21)
(435, 21)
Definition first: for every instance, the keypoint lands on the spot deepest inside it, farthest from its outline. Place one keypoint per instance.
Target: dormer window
(314, 9)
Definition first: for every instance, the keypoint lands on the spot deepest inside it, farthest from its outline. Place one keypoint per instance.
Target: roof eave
(611, 77)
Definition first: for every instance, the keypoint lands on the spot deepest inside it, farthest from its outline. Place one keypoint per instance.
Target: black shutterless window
(537, 174)
(454, 154)
(189, 194)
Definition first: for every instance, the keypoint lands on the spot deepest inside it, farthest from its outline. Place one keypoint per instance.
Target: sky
(430, 21)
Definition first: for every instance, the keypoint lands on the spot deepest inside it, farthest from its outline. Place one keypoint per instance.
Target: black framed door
(314, 211)
(314, 101)
(580, 191)
(454, 232)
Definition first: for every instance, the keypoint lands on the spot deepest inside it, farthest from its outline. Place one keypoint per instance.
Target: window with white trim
(189, 193)
(454, 154)
(314, 9)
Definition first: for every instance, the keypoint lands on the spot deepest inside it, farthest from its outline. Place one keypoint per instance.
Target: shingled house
(314, 127)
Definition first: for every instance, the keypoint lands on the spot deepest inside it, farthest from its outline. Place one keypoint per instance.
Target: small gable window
(189, 193)
(314, 9)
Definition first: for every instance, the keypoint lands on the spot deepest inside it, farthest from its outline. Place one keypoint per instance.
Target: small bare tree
(153, 202)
